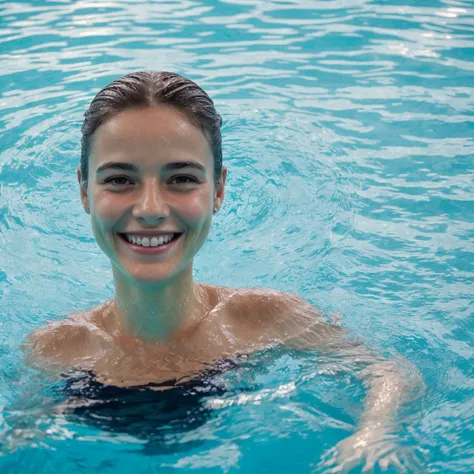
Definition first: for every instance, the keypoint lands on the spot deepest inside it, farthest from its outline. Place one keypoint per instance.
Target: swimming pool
(348, 133)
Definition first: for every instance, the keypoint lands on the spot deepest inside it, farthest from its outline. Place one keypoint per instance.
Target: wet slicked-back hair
(142, 89)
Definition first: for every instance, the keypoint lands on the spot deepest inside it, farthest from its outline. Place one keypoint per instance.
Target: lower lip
(158, 250)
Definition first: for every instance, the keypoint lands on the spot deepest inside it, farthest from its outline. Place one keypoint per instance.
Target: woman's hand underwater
(370, 448)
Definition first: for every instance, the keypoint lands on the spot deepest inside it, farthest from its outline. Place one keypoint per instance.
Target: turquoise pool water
(348, 133)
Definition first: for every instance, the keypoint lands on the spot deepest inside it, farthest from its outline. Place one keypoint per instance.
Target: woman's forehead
(148, 134)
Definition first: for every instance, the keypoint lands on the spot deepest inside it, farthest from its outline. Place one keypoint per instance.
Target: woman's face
(151, 192)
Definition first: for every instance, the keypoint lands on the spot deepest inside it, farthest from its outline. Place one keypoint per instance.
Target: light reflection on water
(347, 131)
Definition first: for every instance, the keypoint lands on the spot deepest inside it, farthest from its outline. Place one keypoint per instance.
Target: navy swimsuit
(149, 415)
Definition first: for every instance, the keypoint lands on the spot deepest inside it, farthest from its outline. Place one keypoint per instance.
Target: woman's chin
(150, 279)
(150, 273)
(143, 276)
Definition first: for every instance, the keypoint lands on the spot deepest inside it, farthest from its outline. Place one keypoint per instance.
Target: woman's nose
(150, 206)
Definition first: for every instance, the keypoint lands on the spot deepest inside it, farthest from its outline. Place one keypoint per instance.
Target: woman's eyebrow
(117, 166)
(177, 165)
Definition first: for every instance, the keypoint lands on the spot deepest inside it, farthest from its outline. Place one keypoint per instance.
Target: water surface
(348, 134)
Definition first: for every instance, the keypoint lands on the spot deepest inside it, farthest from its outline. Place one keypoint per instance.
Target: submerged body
(237, 323)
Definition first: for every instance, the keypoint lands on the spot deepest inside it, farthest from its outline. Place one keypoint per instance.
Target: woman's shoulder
(64, 340)
(261, 303)
(271, 316)
(277, 315)
(261, 300)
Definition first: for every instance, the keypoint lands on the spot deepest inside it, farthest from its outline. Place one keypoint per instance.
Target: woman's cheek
(197, 207)
(108, 208)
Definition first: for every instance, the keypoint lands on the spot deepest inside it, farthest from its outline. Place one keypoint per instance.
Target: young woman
(151, 178)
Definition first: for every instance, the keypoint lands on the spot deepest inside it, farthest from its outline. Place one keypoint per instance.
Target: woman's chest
(136, 365)
(130, 363)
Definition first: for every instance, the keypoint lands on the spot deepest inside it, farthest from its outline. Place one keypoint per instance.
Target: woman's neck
(160, 312)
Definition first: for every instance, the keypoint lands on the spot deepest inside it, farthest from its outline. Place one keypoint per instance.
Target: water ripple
(347, 131)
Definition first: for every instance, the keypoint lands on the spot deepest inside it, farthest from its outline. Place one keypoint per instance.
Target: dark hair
(150, 89)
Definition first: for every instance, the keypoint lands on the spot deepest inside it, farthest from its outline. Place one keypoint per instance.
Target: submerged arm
(389, 383)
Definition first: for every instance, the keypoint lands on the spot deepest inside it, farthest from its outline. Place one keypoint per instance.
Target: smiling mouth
(151, 240)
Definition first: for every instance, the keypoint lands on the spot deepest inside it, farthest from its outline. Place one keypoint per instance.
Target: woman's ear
(219, 193)
(83, 190)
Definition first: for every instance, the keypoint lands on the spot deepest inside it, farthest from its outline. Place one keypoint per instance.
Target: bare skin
(231, 322)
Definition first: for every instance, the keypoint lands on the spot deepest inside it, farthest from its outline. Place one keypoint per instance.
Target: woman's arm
(390, 383)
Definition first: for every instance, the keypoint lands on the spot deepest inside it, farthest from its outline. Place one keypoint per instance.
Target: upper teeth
(149, 241)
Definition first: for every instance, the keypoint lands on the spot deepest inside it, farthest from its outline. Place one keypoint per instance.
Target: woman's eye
(186, 180)
(118, 181)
